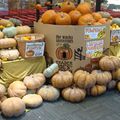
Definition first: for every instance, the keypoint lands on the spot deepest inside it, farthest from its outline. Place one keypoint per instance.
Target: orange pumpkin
(48, 17)
(38, 6)
(67, 6)
(84, 8)
(63, 19)
(97, 16)
(103, 20)
(86, 20)
(74, 14)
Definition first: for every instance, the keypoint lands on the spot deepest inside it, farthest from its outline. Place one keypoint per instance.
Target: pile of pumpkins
(73, 87)
(75, 15)
(8, 30)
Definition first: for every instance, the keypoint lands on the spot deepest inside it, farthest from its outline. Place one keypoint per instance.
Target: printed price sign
(34, 49)
(94, 49)
(94, 33)
(115, 36)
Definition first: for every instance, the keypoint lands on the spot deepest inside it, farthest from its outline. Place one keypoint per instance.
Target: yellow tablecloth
(18, 69)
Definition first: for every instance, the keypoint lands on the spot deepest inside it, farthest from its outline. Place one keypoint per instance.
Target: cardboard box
(73, 46)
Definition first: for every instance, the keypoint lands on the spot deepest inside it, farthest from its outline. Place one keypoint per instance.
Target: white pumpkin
(17, 89)
(13, 106)
(2, 90)
(32, 100)
(34, 81)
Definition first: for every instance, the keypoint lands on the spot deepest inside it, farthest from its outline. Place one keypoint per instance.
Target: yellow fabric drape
(18, 69)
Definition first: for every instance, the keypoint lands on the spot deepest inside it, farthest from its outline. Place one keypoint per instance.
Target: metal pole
(98, 5)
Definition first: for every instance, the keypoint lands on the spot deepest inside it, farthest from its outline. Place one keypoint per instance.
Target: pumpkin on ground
(109, 63)
(63, 19)
(97, 90)
(111, 84)
(1, 35)
(34, 81)
(17, 89)
(86, 19)
(48, 17)
(13, 107)
(97, 16)
(32, 100)
(116, 74)
(49, 93)
(75, 15)
(84, 79)
(62, 79)
(67, 6)
(2, 90)
(102, 77)
(74, 94)
(84, 8)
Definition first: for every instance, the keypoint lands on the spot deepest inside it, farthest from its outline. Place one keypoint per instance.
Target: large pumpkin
(62, 19)
(97, 16)
(102, 77)
(62, 79)
(48, 17)
(116, 74)
(34, 81)
(49, 93)
(17, 89)
(84, 8)
(13, 107)
(64, 52)
(74, 94)
(67, 6)
(74, 14)
(84, 79)
(109, 63)
(86, 19)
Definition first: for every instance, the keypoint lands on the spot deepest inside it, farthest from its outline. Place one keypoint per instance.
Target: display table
(18, 69)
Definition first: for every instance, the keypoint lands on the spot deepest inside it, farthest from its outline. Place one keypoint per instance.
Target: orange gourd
(96, 16)
(103, 20)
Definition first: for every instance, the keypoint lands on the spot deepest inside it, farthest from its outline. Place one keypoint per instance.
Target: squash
(67, 6)
(49, 93)
(84, 79)
(102, 77)
(111, 84)
(116, 21)
(23, 29)
(32, 100)
(1, 35)
(7, 43)
(13, 107)
(97, 90)
(62, 19)
(2, 90)
(34, 81)
(116, 74)
(109, 63)
(48, 17)
(97, 16)
(62, 79)
(86, 19)
(17, 89)
(74, 14)
(12, 54)
(15, 21)
(74, 94)
(102, 20)
(84, 8)
(6, 23)
(10, 32)
(105, 14)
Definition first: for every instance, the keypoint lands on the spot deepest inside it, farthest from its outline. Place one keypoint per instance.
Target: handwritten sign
(94, 48)
(34, 49)
(95, 33)
(115, 36)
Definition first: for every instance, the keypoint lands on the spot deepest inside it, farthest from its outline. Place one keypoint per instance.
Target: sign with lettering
(115, 36)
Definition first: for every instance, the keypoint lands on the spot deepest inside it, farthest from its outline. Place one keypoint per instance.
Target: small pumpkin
(97, 16)
(105, 14)
(74, 14)
(62, 79)
(1, 35)
(84, 79)
(67, 6)
(109, 63)
(15, 21)
(116, 21)
(74, 94)
(6, 23)
(13, 107)
(62, 19)
(49, 93)
(48, 17)
(111, 84)
(84, 8)
(86, 19)
(116, 74)
(34, 81)
(32, 100)
(17, 89)
(102, 77)
(102, 20)
(2, 90)
(97, 90)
